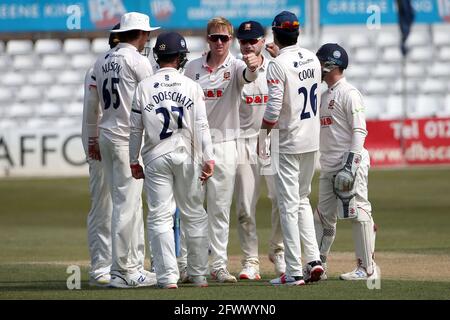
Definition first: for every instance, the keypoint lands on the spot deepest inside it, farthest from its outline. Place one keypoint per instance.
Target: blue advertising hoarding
(358, 11)
(89, 15)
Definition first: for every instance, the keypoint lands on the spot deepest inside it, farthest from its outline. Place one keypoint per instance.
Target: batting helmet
(170, 43)
(333, 56)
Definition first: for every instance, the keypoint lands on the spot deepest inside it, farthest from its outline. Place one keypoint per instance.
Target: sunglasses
(250, 41)
(216, 37)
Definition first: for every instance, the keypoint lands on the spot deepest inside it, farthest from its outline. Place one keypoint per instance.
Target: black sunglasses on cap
(251, 41)
(216, 37)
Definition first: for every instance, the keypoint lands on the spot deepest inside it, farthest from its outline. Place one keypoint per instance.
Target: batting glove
(136, 171)
(345, 178)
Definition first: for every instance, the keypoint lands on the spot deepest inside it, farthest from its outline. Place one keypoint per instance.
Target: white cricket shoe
(184, 277)
(223, 275)
(198, 281)
(359, 273)
(285, 280)
(279, 264)
(313, 271)
(250, 272)
(102, 280)
(168, 286)
(134, 280)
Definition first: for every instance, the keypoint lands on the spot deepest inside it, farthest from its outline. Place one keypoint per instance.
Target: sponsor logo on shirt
(326, 121)
(273, 81)
(211, 94)
(256, 99)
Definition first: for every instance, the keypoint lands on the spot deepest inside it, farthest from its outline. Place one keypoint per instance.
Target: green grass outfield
(42, 231)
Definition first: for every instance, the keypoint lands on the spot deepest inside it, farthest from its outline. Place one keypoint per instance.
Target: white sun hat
(135, 21)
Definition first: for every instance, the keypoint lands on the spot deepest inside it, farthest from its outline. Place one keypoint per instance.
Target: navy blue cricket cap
(286, 23)
(334, 54)
(250, 30)
(170, 43)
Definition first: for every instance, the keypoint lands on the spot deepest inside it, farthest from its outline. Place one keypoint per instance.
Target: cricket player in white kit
(222, 78)
(293, 78)
(99, 217)
(344, 165)
(254, 98)
(115, 78)
(171, 109)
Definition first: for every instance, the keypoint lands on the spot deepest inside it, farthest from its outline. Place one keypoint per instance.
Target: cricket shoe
(313, 271)
(198, 281)
(285, 280)
(168, 286)
(223, 275)
(184, 277)
(134, 280)
(279, 264)
(359, 273)
(250, 272)
(102, 280)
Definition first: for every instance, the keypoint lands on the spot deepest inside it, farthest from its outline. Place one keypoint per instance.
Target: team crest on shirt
(326, 121)
(226, 75)
(331, 104)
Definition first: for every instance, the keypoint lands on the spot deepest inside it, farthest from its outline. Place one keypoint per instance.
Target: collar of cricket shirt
(294, 47)
(126, 45)
(342, 80)
(225, 63)
(166, 69)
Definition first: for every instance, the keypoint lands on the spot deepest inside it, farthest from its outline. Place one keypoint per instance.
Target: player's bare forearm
(267, 126)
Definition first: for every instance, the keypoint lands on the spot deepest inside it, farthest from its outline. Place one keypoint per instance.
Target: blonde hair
(219, 22)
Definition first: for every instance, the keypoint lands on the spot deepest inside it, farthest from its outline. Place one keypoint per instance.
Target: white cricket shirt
(341, 114)
(116, 76)
(171, 109)
(254, 97)
(293, 78)
(222, 89)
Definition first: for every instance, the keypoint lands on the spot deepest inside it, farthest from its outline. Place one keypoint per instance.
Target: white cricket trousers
(127, 225)
(247, 191)
(171, 180)
(293, 181)
(219, 195)
(326, 215)
(99, 221)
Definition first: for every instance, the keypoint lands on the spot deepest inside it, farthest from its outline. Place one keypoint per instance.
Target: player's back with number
(295, 76)
(116, 75)
(167, 101)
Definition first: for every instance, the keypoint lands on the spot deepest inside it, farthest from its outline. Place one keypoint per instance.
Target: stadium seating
(75, 46)
(47, 46)
(14, 47)
(44, 79)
